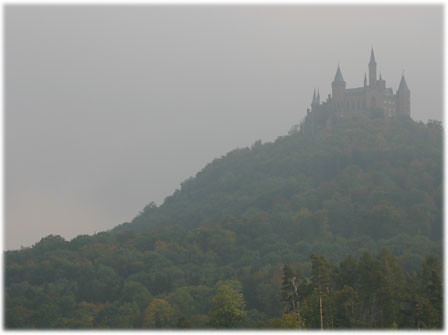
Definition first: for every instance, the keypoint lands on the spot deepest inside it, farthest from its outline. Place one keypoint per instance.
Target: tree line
(365, 293)
(372, 292)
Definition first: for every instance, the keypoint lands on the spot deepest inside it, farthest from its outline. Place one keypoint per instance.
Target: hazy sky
(110, 107)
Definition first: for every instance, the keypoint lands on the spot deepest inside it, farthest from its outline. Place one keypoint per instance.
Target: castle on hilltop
(374, 96)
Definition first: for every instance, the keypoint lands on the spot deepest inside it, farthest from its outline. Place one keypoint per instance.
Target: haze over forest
(109, 108)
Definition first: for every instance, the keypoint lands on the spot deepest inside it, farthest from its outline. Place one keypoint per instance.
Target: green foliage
(287, 321)
(292, 288)
(377, 294)
(228, 308)
(359, 176)
(159, 314)
(245, 226)
(321, 271)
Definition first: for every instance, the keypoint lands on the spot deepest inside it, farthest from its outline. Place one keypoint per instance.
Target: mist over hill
(353, 187)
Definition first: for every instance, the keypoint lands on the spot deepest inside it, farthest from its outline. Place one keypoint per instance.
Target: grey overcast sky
(110, 107)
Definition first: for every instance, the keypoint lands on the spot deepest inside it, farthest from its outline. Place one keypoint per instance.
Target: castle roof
(372, 57)
(389, 91)
(355, 90)
(338, 76)
(403, 85)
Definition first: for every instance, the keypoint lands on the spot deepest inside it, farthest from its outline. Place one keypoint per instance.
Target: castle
(373, 97)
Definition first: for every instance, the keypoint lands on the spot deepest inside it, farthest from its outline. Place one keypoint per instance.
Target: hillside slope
(356, 187)
(374, 177)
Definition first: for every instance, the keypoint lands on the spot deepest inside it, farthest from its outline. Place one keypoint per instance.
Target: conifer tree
(288, 294)
(321, 279)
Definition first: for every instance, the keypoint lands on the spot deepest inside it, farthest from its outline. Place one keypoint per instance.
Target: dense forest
(341, 228)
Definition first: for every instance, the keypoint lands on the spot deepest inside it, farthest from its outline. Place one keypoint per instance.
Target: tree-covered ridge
(348, 176)
(355, 187)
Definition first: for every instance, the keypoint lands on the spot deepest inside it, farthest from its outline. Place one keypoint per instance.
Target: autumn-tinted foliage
(355, 187)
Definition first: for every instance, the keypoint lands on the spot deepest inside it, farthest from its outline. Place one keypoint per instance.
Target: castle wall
(355, 100)
(365, 98)
(403, 101)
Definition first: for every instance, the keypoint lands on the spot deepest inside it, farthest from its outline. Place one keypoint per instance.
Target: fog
(108, 108)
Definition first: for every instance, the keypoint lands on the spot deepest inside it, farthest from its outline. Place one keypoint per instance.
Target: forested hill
(360, 177)
(352, 213)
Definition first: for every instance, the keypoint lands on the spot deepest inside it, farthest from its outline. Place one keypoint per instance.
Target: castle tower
(381, 83)
(372, 70)
(403, 98)
(338, 85)
(314, 102)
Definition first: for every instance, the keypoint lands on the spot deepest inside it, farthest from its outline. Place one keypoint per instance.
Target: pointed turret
(338, 77)
(318, 96)
(372, 57)
(315, 102)
(403, 85)
(338, 85)
(372, 69)
(365, 79)
(403, 98)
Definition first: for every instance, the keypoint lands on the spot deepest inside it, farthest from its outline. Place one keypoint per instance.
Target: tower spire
(403, 85)
(372, 69)
(318, 96)
(365, 79)
(372, 57)
(338, 85)
(338, 77)
(404, 98)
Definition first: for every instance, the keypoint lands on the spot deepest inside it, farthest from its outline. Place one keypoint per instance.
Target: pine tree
(321, 279)
(288, 293)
